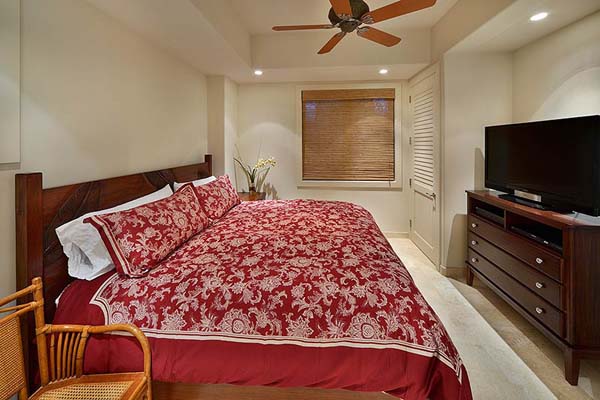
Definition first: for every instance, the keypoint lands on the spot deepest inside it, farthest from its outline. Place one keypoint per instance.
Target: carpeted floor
(506, 357)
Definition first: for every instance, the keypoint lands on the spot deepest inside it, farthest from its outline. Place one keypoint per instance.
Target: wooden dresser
(554, 285)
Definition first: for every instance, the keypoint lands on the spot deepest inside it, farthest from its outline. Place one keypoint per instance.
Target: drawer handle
(539, 310)
(475, 260)
(539, 285)
(474, 225)
(539, 260)
(474, 242)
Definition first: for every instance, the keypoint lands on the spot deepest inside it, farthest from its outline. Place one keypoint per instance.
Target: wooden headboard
(40, 211)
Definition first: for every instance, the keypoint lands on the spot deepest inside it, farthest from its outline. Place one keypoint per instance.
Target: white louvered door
(425, 142)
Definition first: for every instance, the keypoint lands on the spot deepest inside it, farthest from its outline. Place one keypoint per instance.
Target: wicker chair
(61, 363)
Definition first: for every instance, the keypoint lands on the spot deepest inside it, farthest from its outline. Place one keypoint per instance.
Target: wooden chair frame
(64, 358)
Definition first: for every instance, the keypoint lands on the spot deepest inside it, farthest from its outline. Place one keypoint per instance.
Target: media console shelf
(545, 265)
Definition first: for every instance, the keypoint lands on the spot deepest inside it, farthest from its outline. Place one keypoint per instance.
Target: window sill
(349, 185)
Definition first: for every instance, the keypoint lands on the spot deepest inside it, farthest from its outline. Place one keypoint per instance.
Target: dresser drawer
(520, 248)
(535, 281)
(539, 308)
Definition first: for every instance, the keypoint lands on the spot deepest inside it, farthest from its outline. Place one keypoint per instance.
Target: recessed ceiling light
(383, 71)
(539, 16)
(258, 72)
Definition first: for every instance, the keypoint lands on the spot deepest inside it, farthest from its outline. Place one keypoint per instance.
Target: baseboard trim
(453, 272)
(396, 235)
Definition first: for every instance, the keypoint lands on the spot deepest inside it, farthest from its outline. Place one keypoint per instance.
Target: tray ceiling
(233, 37)
(258, 16)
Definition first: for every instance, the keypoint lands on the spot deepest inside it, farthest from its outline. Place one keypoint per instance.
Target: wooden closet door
(424, 101)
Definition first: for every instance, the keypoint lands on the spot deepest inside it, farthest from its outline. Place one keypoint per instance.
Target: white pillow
(197, 183)
(82, 244)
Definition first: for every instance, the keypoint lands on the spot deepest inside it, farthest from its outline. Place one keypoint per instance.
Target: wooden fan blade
(378, 36)
(332, 43)
(341, 7)
(396, 9)
(301, 27)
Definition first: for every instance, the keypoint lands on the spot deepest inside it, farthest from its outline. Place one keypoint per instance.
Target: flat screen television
(555, 164)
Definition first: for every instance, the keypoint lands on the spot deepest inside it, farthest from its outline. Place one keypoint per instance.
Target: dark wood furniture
(39, 211)
(252, 196)
(555, 286)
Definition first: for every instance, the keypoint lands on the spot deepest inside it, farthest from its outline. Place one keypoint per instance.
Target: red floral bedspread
(286, 293)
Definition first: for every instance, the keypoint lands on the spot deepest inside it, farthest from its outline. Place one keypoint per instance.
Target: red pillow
(140, 238)
(218, 197)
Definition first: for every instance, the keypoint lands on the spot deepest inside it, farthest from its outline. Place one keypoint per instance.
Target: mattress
(296, 293)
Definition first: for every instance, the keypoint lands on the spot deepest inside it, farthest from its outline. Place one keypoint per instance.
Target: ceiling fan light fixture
(383, 71)
(258, 72)
(538, 17)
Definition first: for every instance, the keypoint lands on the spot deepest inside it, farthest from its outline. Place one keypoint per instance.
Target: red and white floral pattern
(284, 272)
(140, 238)
(218, 197)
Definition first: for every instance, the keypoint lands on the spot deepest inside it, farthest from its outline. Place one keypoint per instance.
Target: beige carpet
(542, 356)
(506, 358)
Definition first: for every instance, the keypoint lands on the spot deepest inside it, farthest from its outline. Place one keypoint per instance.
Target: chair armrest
(86, 330)
(135, 332)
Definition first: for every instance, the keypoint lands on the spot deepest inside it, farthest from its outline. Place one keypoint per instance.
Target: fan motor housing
(359, 8)
(349, 26)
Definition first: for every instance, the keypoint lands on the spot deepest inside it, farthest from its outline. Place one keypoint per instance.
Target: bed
(289, 294)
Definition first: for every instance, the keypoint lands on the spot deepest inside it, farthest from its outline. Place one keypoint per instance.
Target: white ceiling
(233, 37)
(292, 56)
(259, 16)
(184, 29)
(511, 29)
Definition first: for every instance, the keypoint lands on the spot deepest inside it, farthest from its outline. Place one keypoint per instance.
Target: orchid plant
(256, 174)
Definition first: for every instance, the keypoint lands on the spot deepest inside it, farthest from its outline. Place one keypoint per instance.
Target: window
(348, 135)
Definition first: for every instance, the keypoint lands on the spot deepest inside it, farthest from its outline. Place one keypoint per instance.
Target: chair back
(12, 365)
(13, 378)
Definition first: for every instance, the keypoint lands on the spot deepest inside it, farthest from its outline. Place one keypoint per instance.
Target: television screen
(558, 160)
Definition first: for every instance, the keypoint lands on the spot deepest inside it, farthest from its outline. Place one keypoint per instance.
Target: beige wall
(267, 123)
(9, 81)
(222, 124)
(477, 92)
(216, 122)
(462, 19)
(559, 75)
(555, 77)
(97, 101)
(230, 125)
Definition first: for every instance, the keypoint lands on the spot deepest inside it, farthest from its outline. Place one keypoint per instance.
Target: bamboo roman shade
(348, 135)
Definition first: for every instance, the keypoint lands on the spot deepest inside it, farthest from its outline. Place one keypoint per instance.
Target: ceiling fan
(349, 15)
